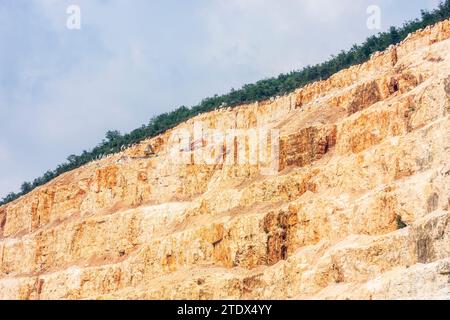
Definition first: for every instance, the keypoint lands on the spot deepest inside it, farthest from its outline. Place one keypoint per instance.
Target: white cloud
(270, 37)
(5, 153)
(60, 90)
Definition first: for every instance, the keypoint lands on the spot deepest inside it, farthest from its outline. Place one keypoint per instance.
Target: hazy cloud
(60, 90)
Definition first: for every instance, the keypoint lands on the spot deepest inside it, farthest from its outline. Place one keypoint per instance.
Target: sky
(62, 89)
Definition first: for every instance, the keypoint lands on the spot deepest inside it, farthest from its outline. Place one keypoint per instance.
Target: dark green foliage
(400, 223)
(10, 197)
(26, 187)
(261, 90)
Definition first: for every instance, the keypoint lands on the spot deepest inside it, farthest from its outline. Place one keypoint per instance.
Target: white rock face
(359, 208)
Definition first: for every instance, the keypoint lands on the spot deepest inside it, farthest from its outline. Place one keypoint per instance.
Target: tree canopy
(283, 84)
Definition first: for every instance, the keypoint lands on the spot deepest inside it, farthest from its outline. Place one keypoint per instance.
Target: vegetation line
(249, 93)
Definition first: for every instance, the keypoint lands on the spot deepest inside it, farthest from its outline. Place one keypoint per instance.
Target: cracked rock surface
(359, 208)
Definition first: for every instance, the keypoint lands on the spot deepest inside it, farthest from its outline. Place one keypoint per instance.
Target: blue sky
(61, 90)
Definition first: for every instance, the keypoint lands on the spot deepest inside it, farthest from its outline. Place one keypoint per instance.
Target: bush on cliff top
(261, 90)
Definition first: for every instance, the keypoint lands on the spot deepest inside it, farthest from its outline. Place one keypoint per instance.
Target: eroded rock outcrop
(359, 206)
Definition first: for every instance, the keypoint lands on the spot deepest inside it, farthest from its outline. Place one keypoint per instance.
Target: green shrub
(261, 90)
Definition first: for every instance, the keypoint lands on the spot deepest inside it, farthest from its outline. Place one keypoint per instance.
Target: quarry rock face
(358, 207)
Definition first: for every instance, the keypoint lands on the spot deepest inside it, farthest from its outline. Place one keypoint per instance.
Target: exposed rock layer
(359, 208)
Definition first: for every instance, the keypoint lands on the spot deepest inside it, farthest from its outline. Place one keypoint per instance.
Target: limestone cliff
(359, 206)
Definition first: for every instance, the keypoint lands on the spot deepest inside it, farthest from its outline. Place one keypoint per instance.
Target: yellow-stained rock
(358, 208)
